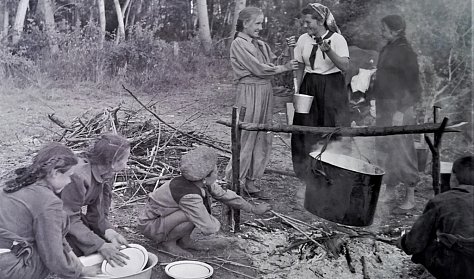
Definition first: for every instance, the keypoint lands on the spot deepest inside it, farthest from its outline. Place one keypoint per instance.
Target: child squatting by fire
(179, 206)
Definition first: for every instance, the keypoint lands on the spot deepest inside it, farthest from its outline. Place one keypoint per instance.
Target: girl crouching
(32, 221)
(91, 187)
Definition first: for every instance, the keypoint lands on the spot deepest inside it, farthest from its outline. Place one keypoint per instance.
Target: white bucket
(302, 103)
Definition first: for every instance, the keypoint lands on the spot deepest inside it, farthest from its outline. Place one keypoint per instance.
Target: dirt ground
(253, 253)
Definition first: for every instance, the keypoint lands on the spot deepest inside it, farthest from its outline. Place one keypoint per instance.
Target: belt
(20, 246)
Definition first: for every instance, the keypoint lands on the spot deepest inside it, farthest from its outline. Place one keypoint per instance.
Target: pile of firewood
(156, 146)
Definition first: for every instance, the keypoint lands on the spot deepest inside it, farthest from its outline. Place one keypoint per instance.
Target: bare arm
(341, 62)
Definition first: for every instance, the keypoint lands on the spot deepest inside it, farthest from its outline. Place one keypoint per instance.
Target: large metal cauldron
(343, 189)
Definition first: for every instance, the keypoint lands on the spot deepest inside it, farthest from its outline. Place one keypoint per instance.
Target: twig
(348, 258)
(129, 202)
(58, 122)
(364, 268)
(234, 263)
(239, 273)
(170, 126)
(298, 229)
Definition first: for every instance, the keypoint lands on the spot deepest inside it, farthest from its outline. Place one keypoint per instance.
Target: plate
(189, 270)
(91, 260)
(138, 259)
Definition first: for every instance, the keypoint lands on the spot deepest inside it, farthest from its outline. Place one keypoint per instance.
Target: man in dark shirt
(442, 239)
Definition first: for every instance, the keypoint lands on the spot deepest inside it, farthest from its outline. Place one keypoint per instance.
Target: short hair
(395, 23)
(463, 168)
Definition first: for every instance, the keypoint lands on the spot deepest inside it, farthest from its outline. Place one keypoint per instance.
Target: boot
(409, 201)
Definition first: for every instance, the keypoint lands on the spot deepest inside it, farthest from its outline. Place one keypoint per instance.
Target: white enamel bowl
(189, 270)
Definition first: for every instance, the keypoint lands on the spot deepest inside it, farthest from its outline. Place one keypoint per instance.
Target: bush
(143, 60)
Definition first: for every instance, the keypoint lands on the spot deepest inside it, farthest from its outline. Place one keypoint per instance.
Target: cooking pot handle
(319, 171)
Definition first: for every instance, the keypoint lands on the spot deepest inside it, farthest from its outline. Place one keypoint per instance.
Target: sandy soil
(24, 126)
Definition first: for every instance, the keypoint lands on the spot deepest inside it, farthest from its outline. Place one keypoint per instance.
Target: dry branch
(170, 126)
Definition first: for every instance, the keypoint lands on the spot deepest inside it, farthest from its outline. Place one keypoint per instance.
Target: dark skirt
(330, 108)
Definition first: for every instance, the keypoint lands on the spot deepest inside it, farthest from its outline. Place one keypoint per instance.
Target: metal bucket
(343, 189)
(302, 103)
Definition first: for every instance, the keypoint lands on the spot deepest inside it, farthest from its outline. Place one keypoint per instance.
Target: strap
(457, 243)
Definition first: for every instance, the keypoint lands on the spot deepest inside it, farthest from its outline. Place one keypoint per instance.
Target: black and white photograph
(259, 139)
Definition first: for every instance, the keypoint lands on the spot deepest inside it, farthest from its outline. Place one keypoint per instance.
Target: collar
(401, 40)
(464, 188)
(96, 174)
(245, 36)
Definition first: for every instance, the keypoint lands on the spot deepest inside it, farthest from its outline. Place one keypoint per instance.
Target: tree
(121, 25)
(4, 14)
(239, 6)
(204, 31)
(102, 22)
(46, 6)
(19, 20)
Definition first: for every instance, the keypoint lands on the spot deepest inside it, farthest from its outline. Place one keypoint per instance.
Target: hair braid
(53, 156)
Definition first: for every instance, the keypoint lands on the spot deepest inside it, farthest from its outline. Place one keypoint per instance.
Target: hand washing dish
(189, 270)
(138, 259)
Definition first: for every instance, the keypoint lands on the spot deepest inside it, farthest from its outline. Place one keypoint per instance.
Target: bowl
(138, 259)
(189, 270)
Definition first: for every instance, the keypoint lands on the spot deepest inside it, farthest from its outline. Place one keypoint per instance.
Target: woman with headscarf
(253, 65)
(323, 55)
(397, 89)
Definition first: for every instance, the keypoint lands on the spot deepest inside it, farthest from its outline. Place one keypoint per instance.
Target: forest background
(161, 45)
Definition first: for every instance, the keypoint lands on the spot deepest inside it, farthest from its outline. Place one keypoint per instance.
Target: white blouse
(322, 65)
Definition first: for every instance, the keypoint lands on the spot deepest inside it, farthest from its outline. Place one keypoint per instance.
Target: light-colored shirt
(322, 65)
(252, 60)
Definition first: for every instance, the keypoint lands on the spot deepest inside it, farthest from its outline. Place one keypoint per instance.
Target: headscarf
(326, 14)
(198, 163)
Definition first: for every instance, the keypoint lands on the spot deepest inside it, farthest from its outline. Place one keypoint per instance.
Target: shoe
(257, 195)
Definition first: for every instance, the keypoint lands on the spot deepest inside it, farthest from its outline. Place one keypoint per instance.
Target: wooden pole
(434, 148)
(291, 49)
(371, 131)
(234, 218)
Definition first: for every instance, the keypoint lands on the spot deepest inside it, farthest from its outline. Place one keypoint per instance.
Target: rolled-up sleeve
(73, 197)
(52, 247)
(298, 51)
(245, 62)
(193, 207)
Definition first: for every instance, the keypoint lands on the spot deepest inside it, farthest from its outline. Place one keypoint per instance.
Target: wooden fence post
(237, 117)
(434, 148)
